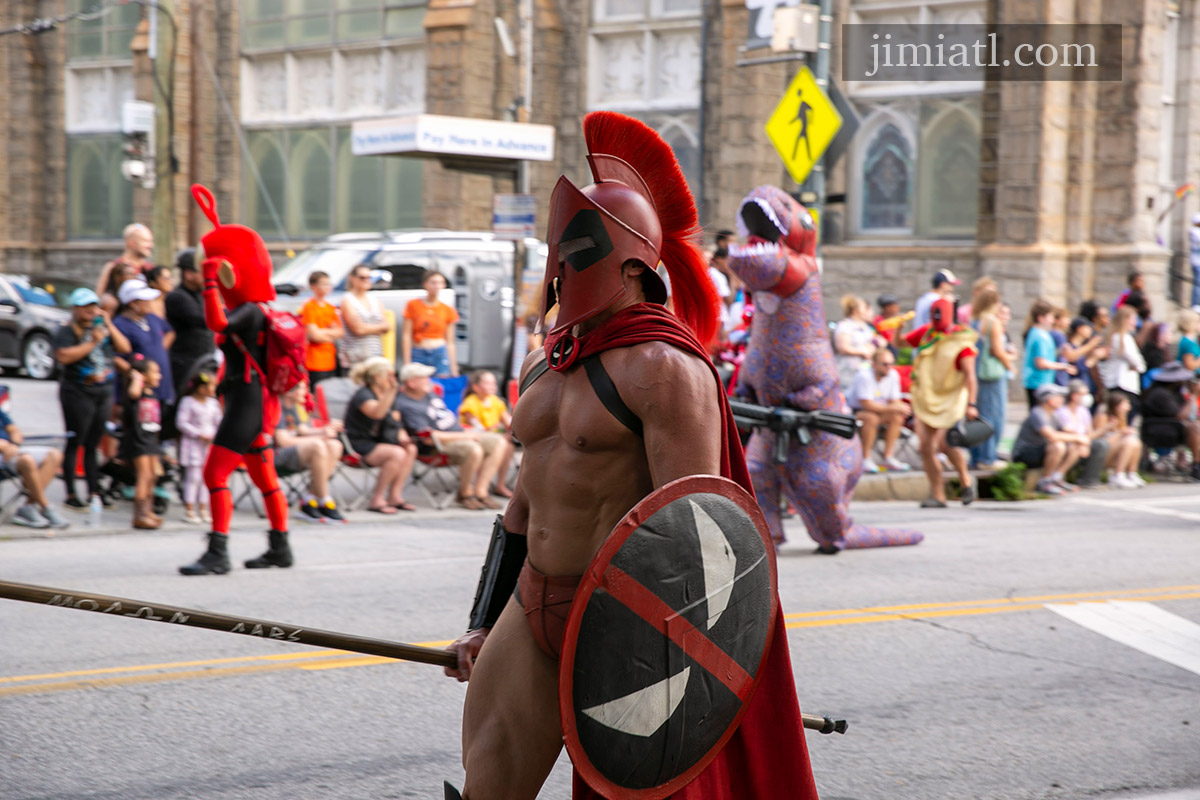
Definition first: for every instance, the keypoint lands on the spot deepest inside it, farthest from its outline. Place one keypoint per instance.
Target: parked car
(478, 269)
(29, 315)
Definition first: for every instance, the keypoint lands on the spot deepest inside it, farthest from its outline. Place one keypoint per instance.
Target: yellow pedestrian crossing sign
(803, 125)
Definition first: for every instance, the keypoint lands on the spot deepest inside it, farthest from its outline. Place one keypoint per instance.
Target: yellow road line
(1046, 598)
(337, 659)
(969, 612)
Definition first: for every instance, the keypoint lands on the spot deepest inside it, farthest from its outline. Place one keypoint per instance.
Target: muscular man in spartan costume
(621, 401)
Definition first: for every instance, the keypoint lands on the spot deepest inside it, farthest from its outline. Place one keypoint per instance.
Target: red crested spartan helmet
(248, 276)
(639, 208)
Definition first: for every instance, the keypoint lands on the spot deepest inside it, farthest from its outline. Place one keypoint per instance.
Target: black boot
(278, 554)
(215, 560)
(451, 792)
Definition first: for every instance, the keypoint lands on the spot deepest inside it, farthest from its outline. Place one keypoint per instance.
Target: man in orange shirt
(323, 327)
(428, 335)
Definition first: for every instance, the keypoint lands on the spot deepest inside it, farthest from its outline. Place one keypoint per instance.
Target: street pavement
(1045, 649)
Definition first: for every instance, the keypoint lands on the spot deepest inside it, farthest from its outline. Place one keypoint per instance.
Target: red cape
(768, 756)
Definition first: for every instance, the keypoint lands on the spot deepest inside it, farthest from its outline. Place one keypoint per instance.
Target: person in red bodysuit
(235, 262)
(590, 458)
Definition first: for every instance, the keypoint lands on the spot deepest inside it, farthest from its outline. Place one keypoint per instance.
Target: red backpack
(286, 343)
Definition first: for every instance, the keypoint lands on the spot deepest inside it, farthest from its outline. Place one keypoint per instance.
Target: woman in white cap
(149, 335)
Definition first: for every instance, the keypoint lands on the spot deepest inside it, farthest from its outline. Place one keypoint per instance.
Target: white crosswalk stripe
(1142, 626)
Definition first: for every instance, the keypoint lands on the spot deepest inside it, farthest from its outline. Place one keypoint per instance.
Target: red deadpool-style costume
(235, 264)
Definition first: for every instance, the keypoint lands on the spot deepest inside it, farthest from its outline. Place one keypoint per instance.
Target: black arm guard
(498, 578)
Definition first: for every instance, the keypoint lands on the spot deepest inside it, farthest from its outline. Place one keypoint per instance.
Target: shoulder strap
(536, 371)
(606, 390)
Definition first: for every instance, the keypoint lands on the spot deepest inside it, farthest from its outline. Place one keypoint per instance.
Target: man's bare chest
(563, 411)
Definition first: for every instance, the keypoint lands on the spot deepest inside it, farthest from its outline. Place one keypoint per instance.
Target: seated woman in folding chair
(375, 432)
(301, 447)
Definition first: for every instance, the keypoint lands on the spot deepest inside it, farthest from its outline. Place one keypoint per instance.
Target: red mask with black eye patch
(941, 315)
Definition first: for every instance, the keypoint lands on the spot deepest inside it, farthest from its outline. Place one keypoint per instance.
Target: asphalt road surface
(995, 660)
(1048, 649)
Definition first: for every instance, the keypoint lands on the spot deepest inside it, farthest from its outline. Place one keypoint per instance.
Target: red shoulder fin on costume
(695, 297)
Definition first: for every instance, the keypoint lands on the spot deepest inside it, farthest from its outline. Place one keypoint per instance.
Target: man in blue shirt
(34, 477)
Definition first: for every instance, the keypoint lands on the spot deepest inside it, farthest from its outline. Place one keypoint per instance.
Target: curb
(912, 486)
(242, 524)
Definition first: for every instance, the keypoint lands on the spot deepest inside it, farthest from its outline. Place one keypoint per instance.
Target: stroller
(121, 479)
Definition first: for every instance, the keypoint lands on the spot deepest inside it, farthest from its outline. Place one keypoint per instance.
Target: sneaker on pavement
(894, 465)
(329, 511)
(1117, 480)
(28, 517)
(56, 520)
(1049, 487)
(932, 502)
(968, 495)
(192, 518)
(870, 466)
(75, 504)
(1066, 487)
(1139, 482)
(310, 512)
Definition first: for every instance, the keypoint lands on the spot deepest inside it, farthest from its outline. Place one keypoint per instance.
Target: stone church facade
(1055, 189)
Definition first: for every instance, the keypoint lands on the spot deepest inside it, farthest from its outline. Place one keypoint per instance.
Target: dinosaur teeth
(754, 250)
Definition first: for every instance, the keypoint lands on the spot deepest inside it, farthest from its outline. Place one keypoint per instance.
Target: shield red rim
(667, 494)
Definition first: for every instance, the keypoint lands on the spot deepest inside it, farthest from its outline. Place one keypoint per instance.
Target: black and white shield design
(666, 637)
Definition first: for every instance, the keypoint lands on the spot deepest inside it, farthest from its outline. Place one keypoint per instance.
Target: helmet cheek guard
(246, 275)
(592, 232)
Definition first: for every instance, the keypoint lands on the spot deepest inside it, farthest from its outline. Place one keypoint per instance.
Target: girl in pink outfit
(197, 418)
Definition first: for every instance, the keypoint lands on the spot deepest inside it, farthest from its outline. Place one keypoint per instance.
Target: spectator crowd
(140, 394)
(1108, 388)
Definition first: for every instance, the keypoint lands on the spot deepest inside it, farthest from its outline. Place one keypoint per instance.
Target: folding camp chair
(332, 396)
(433, 473)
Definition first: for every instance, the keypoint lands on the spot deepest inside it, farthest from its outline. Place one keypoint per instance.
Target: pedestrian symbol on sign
(802, 115)
(805, 115)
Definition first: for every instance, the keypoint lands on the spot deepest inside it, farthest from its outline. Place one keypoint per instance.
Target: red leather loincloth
(546, 600)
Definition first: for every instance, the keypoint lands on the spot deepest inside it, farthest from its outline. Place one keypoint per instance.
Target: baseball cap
(136, 289)
(886, 299)
(411, 371)
(945, 276)
(1047, 389)
(83, 296)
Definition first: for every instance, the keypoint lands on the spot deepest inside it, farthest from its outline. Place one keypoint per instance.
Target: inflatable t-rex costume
(790, 362)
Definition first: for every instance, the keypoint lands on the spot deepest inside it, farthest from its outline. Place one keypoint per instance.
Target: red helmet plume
(638, 208)
(249, 278)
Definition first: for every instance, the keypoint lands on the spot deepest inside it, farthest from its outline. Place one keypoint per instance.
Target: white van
(478, 268)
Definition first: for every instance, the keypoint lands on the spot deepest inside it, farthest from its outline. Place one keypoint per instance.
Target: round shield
(670, 625)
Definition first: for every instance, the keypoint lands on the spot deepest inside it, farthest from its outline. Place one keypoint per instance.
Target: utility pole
(162, 53)
(812, 193)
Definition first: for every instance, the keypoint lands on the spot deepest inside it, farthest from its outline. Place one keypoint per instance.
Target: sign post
(514, 217)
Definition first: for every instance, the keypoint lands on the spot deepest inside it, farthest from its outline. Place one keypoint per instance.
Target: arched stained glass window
(887, 181)
(99, 198)
(312, 184)
(950, 176)
(272, 171)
